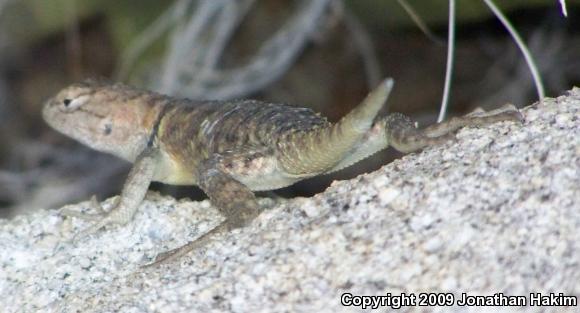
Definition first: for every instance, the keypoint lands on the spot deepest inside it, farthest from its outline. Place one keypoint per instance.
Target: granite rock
(497, 211)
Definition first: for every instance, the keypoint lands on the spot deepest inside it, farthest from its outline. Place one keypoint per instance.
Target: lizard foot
(507, 112)
(101, 219)
(87, 216)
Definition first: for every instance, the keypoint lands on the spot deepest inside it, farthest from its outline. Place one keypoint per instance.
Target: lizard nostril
(66, 102)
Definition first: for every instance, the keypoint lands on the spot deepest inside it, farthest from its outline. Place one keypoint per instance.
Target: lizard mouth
(47, 113)
(53, 114)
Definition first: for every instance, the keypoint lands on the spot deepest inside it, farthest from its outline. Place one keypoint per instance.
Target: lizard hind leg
(235, 201)
(320, 150)
(402, 134)
(478, 117)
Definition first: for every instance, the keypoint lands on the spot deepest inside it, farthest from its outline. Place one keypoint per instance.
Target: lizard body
(231, 148)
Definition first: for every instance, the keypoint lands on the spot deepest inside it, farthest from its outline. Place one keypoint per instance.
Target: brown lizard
(231, 148)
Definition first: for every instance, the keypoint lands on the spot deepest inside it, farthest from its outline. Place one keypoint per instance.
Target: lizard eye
(71, 104)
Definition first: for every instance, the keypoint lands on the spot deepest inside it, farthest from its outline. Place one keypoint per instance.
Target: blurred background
(322, 54)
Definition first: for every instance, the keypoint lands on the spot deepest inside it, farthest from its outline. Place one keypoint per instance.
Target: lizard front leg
(126, 204)
(233, 199)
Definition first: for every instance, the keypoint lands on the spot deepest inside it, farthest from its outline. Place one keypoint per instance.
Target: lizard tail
(317, 151)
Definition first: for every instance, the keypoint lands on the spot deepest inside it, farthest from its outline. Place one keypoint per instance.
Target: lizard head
(102, 116)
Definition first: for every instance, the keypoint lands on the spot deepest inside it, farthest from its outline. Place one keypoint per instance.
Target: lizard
(230, 149)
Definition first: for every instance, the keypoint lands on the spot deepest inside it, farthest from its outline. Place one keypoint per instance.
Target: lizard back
(190, 132)
(218, 126)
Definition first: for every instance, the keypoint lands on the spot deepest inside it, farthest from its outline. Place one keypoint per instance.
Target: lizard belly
(267, 182)
(261, 173)
(258, 174)
(172, 172)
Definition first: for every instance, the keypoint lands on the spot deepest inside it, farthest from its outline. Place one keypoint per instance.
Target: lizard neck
(139, 126)
(132, 117)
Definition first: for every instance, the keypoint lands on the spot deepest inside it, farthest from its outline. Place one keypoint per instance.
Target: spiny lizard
(231, 148)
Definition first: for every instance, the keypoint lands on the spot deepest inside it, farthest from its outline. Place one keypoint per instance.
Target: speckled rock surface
(496, 211)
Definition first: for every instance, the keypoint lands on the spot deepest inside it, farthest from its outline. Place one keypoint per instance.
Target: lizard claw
(94, 204)
(476, 112)
(513, 112)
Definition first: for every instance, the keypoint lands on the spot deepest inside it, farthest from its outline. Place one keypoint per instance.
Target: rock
(497, 211)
